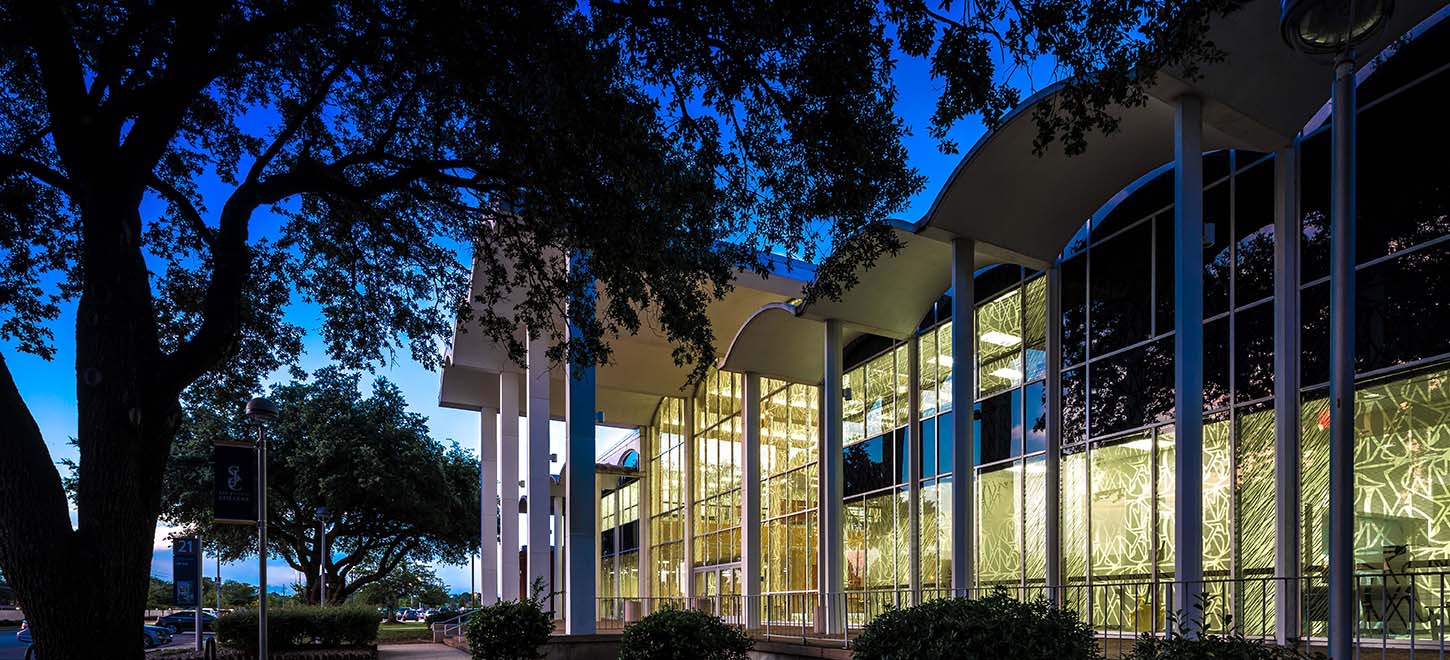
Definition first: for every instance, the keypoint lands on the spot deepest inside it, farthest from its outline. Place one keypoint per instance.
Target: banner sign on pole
(234, 483)
(186, 572)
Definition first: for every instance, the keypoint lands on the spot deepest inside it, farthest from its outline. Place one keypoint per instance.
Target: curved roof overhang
(641, 369)
(1021, 207)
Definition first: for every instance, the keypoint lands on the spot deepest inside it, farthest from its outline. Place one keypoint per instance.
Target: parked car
(155, 636)
(185, 621)
(152, 636)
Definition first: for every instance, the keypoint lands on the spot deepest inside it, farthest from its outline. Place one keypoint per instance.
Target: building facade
(1070, 445)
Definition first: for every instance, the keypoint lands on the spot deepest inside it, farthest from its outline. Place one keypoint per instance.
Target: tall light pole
(323, 517)
(1332, 28)
(261, 411)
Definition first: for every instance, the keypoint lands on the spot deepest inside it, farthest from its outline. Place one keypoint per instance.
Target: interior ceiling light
(1001, 338)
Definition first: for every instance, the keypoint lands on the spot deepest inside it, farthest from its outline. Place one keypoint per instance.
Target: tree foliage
(996, 626)
(395, 494)
(682, 634)
(511, 629)
(181, 173)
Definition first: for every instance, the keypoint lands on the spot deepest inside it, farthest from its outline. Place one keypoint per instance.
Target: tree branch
(187, 210)
(294, 124)
(43, 173)
(63, 77)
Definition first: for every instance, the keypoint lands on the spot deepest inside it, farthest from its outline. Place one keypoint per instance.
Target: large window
(665, 446)
(936, 447)
(876, 464)
(1402, 474)
(789, 446)
(718, 438)
(619, 542)
(1118, 446)
(1009, 428)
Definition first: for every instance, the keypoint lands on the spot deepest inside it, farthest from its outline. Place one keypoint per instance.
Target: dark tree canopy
(182, 171)
(395, 494)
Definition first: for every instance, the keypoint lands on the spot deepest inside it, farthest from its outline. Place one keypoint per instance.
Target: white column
(750, 529)
(687, 575)
(599, 532)
(488, 505)
(580, 491)
(964, 395)
(646, 509)
(833, 484)
(1053, 476)
(508, 458)
(913, 452)
(537, 479)
(1188, 351)
(558, 557)
(1286, 394)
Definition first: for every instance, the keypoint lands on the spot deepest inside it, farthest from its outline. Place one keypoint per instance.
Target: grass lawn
(413, 631)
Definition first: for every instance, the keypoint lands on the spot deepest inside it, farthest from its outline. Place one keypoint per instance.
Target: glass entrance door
(718, 590)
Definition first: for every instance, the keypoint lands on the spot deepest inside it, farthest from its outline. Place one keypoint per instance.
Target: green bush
(298, 627)
(997, 627)
(1178, 644)
(511, 629)
(676, 634)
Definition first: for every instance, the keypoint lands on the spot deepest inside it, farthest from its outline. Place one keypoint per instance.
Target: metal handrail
(452, 627)
(1395, 610)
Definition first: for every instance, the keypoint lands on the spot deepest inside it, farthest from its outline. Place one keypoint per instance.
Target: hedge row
(300, 627)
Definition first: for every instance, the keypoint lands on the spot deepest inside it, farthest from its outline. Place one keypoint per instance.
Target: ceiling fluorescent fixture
(1001, 338)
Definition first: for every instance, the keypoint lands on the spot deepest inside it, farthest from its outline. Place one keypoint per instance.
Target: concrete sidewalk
(419, 652)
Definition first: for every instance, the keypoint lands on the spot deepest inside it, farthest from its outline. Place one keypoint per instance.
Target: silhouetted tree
(139, 140)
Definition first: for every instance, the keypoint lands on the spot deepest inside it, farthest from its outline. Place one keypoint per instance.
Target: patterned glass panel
(1122, 508)
(1402, 473)
(999, 547)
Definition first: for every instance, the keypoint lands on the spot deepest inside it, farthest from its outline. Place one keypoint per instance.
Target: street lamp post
(323, 517)
(261, 411)
(1333, 28)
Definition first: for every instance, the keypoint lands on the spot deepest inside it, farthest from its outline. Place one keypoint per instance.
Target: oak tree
(393, 493)
(178, 172)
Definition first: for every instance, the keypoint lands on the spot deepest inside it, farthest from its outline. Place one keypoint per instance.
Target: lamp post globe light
(1331, 27)
(323, 517)
(261, 412)
(1335, 28)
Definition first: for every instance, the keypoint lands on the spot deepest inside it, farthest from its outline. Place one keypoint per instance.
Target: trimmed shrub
(511, 629)
(1179, 645)
(677, 634)
(997, 627)
(300, 627)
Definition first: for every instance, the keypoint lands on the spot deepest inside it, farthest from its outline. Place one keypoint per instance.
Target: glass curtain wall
(1117, 456)
(789, 447)
(936, 446)
(1010, 430)
(665, 447)
(619, 542)
(876, 472)
(718, 438)
(1402, 407)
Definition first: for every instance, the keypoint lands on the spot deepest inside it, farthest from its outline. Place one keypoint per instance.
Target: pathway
(419, 652)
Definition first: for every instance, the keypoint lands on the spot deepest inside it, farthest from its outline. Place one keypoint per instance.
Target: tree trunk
(85, 588)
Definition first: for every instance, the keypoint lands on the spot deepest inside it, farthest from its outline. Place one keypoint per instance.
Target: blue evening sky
(49, 386)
